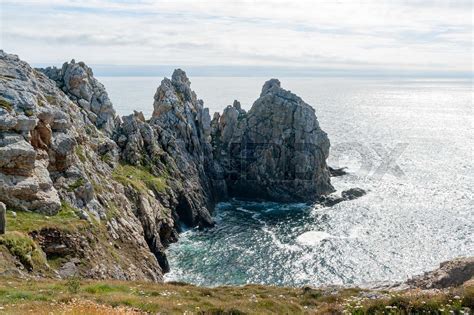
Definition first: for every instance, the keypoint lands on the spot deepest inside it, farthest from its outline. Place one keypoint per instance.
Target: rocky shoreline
(96, 195)
(63, 147)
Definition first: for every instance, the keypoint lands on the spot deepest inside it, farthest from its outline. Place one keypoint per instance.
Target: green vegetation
(101, 288)
(25, 249)
(112, 210)
(78, 183)
(40, 102)
(80, 153)
(98, 189)
(75, 296)
(51, 99)
(28, 112)
(24, 221)
(73, 285)
(458, 301)
(6, 105)
(91, 131)
(139, 178)
(106, 158)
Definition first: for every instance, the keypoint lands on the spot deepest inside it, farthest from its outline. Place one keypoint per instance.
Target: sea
(407, 142)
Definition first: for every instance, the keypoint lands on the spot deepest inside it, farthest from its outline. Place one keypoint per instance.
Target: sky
(240, 36)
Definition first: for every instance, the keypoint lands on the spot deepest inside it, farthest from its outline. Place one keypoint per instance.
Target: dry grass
(119, 297)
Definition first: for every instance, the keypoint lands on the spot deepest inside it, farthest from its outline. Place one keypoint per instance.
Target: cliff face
(128, 184)
(52, 160)
(276, 151)
(184, 133)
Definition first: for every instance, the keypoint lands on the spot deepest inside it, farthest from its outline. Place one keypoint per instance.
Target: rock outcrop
(183, 126)
(450, 273)
(78, 82)
(175, 142)
(53, 159)
(276, 151)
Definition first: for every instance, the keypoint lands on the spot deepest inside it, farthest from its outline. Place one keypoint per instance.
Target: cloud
(413, 35)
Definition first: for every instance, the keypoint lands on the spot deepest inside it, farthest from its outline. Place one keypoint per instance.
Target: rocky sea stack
(275, 151)
(67, 160)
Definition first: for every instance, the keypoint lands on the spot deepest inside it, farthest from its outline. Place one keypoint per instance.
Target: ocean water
(409, 143)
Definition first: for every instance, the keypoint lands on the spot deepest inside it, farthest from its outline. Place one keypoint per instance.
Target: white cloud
(411, 35)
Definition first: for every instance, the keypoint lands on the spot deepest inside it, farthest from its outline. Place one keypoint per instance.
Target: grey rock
(450, 273)
(276, 151)
(18, 157)
(7, 121)
(184, 128)
(353, 193)
(25, 124)
(78, 82)
(337, 171)
(69, 269)
(61, 127)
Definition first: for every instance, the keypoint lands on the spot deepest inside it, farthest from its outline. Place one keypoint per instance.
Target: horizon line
(105, 70)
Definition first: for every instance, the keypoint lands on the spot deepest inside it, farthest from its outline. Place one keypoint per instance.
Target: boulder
(353, 193)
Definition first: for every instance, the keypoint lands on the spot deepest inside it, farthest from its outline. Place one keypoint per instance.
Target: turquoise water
(418, 210)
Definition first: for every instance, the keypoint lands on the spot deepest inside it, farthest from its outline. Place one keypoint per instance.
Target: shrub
(73, 284)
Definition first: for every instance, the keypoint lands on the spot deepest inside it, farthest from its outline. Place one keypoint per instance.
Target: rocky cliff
(102, 196)
(276, 151)
(54, 161)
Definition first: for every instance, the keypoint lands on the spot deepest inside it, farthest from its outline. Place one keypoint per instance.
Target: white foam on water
(312, 238)
(276, 241)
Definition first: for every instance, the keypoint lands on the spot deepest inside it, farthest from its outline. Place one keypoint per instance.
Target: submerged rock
(275, 151)
(353, 193)
(337, 171)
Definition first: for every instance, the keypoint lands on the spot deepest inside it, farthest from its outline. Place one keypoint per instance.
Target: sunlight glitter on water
(407, 223)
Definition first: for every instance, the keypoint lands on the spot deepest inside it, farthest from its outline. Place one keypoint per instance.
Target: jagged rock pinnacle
(270, 86)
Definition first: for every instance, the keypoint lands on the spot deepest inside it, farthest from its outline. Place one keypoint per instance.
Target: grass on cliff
(25, 250)
(139, 178)
(74, 296)
(6, 105)
(23, 221)
(20, 245)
